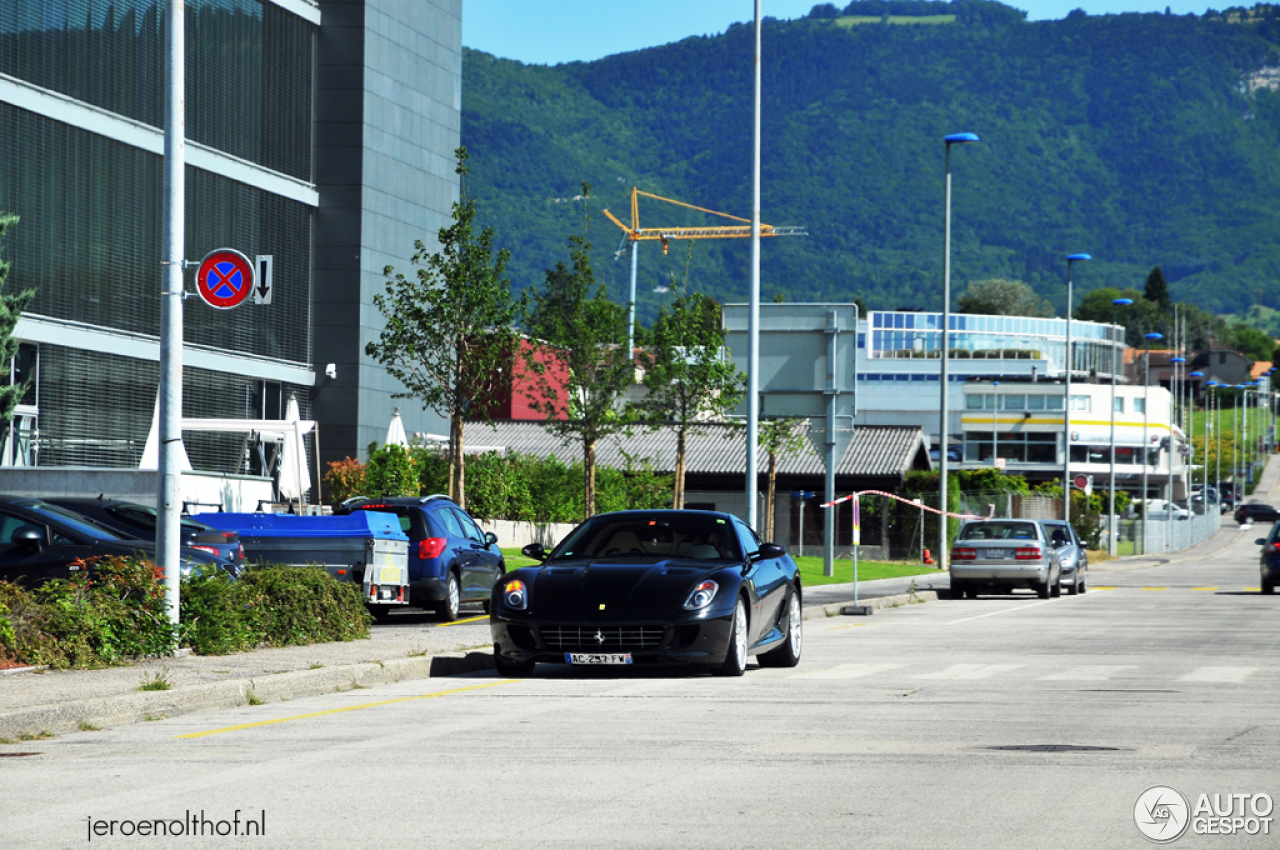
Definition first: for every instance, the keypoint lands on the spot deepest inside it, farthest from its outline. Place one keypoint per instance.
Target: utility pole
(171, 288)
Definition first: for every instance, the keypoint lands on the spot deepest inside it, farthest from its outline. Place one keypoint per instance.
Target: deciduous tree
(689, 381)
(450, 329)
(11, 306)
(585, 336)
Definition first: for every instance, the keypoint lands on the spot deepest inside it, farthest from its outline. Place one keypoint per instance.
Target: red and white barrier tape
(921, 505)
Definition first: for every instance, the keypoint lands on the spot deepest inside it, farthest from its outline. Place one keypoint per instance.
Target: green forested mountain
(1142, 139)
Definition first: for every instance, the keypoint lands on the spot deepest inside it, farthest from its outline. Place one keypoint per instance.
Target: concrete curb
(832, 609)
(72, 716)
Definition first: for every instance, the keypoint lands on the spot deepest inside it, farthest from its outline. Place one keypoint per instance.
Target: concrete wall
(519, 534)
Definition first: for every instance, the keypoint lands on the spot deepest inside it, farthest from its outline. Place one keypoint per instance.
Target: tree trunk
(458, 460)
(678, 501)
(589, 477)
(769, 500)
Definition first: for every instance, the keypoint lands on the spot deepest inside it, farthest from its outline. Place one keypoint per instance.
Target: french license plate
(598, 657)
(390, 575)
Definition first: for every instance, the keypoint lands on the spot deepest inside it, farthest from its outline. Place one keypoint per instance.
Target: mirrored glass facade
(81, 108)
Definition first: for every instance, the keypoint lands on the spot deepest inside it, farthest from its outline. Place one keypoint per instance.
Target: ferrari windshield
(697, 536)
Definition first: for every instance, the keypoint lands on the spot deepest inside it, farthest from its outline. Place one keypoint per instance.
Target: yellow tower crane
(635, 234)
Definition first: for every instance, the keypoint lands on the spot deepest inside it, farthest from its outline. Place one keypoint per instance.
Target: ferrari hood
(609, 590)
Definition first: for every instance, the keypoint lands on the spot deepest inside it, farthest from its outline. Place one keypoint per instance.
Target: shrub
(345, 478)
(273, 605)
(113, 609)
(291, 606)
(391, 471)
(216, 615)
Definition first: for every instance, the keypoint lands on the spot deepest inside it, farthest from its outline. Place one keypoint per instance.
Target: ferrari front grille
(602, 638)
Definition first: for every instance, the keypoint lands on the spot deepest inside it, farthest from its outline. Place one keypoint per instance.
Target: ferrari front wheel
(788, 655)
(510, 669)
(735, 659)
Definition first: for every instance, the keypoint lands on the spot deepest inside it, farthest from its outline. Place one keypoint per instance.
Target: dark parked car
(1269, 562)
(1256, 512)
(40, 541)
(451, 560)
(651, 587)
(130, 519)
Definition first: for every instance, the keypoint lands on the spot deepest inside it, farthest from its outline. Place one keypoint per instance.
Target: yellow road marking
(1253, 590)
(1103, 587)
(851, 626)
(460, 622)
(1204, 588)
(341, 710)
(1153, 588)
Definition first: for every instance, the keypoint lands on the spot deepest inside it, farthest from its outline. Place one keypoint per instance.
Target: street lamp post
(1066, 412)
(1115, 367)
(1215, 409)
(995, 424)
(1146, 388)
(1191, 428)
(944, 553)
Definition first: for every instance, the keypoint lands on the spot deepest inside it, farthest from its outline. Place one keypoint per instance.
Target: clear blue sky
(547, 32)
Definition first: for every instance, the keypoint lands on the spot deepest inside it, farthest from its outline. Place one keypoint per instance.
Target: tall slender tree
(1157, 290)
(579, 360)
(780, 438)
(450, 329)
(11, 306)
(688, 380)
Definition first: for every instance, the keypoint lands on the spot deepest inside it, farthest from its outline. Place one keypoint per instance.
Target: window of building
(1015, 402)
(1081, 402)
(1139, 405)
(1118, 405)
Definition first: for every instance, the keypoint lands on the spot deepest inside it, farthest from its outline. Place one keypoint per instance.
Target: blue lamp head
(1212, 384)
(961, 138)
(1153, 336)
(1071, 258)
(1120, 302)
(1177, 360)
(1198, 375)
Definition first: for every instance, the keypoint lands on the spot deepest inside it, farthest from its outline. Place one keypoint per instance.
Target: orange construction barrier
(928, 557)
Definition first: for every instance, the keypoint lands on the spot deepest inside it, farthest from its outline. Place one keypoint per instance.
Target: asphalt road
(895, 731)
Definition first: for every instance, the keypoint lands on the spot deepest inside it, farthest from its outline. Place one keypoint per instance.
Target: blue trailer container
(367, 547)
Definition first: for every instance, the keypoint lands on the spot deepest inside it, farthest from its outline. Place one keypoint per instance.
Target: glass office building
(899, 363)
(290, 153)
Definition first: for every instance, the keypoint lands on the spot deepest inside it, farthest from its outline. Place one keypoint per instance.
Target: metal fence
(1160, 536)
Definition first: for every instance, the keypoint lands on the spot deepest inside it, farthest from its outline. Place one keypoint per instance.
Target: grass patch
(86, 726)
(811, 570)
(515, 560)
(252, 699)
(858, 20)
(158, 681)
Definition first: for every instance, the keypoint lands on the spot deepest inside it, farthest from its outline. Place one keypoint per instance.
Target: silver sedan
(1002, 555)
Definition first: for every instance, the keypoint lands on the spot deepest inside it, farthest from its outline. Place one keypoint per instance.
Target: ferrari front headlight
(515, 595)
(701, 596)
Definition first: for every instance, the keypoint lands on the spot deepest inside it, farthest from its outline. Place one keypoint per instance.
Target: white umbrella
(295, 477)
(395, 431)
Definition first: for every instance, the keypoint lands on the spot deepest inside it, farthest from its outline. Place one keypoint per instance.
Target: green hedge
(120, 613)
(511, 486)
